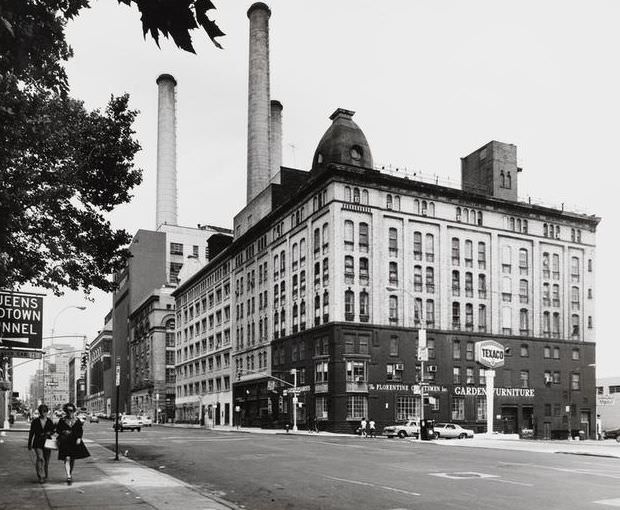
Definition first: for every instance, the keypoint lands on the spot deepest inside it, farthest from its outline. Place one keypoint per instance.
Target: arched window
(356, 195)
(424, 207)
(416, 206)
(431, 209)
(458, 214)
(347, 194)
(456, 315)
(364, 306)
(396, 203)
(466, 215)
(502, 179)
(365, 197)
(388, 201)
(393, 242)
(508, 180)
(349, 305)
(546, 230)
(524, 321)
(348, 235)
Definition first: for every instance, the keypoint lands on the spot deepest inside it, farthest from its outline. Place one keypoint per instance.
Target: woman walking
(41, 428)
(70, 444)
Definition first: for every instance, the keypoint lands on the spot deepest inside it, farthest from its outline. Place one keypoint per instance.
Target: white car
(451, 431)
(402, 429)
(128, 422)
(145, 421)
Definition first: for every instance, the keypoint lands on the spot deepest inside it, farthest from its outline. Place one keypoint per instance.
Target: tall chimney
(166, 208)
(275, 138)
(258, 101)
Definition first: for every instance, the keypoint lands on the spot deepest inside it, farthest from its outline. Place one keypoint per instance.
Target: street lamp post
(295, 399)
(58, 315)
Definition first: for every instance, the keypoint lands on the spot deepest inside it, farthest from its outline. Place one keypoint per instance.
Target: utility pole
(422, 356)
(118, 396)
(295, 399)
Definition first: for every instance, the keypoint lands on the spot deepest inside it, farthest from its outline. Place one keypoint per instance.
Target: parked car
(128, 422)
(145, 421)
(612, 434)
(451, 431)
(93, 418)
(402, 429)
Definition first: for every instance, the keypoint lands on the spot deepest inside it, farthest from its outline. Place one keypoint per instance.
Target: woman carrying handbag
(41, 430)
(70, 444)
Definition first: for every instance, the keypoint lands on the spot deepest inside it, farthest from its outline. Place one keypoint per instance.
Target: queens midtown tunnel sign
(21, 320)
(490, 353)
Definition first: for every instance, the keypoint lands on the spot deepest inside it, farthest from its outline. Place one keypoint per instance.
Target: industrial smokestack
(258, 101)
(166, 208)
(275, 138)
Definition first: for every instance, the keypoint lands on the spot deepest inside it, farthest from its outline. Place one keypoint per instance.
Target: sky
(430, 82)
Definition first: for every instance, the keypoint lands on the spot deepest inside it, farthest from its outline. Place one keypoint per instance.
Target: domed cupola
(344, 142)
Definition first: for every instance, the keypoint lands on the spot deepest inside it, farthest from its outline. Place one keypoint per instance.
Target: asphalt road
(319, 472)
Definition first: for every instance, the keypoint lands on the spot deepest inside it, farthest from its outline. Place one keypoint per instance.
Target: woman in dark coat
(70, 444)
(41, 428)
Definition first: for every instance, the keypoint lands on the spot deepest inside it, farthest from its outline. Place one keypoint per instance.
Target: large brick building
(334, 271)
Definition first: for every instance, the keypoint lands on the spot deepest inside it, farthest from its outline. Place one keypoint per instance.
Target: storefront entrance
(509, 420)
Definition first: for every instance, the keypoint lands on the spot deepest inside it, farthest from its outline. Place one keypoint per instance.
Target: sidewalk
(99, 482)
(607, 448)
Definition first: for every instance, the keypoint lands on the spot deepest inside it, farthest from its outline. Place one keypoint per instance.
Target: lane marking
(513, 482)
(577, 471)
(340, 444)
(464, 475)
(368, 484)
(608, 502)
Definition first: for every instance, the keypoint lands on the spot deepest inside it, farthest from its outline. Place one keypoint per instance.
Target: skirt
(70, 449)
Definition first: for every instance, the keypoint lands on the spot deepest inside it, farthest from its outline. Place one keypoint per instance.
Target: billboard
(21, 320)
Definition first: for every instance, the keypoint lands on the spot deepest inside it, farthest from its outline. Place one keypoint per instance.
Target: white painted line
(464, 475)
(340, 444)
(513, 483)
(367, 484)
(609, 502)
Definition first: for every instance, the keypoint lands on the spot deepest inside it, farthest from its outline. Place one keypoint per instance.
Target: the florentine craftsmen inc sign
(490, 354)
(21, 320)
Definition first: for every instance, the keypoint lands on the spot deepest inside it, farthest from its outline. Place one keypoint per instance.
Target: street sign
(422, 348)
(21, 320)
(118, 375)
(490, 354)
(298, 389)
(22, 353)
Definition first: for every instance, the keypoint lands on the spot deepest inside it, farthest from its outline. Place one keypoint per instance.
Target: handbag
(51, 444)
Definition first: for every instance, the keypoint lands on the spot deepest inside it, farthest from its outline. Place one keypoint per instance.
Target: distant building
(151, 355)
(608, 402)
(56, 375)
(100, 376)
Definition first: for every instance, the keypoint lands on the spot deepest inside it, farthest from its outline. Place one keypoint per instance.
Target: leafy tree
(61, 167)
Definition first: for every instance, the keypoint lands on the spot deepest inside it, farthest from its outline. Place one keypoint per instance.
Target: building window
(456, 251)
(393, 274)
(430, 280)
(456, 315)
(575, 381)
(556, 295)
(325, 307)
(524, 322)
(388, 201)
(574, 299)
(576, 354)
(482, 376)
(456, 285)
(406, 408)
(469, 284)
(556, 325)
(545, 265)
(348, 235)
(363, 264)
(364, 306)
(506, 320)
(357, 407)
(349, 305)
(524, 378)
(365, 197)
(555, 266)
(481, 409)
(482, 286)
(469, 375)
(417, 246)
(523, 292)
(417, 278)
(325, 238)
(430, 313)
(556, 353)
(574, 326)
(176, 249)
(469, 317)
(546, 297)
(547, 352)
(363, 237)
(469, 257)
(482, 318)
(469, 351)
(356, 195)
(393, 346)
(321, 408)
(506, 289)
(349, 270)
(523, 262)
(325, 272)
(321, 372)
(393, 242)
(394, 371)
(458, 408)
(393, 310)
(456, 349)
(482, 256)
(506, 260)
(347, 194)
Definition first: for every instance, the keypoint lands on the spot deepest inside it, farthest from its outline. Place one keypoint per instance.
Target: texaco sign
(490, 354)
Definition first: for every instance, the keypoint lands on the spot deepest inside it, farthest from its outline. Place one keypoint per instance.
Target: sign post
(118, 396)
(490, 354)
(295, 399)
(422, 356)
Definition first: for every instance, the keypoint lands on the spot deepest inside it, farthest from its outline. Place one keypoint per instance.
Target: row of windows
(200, 367)
(200, 388)
(468, 253)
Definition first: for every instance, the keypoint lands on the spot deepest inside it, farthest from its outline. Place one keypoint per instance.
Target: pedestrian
(70, 444)
(599, 427)
(41, 428)
(363, 432)
(371, 428)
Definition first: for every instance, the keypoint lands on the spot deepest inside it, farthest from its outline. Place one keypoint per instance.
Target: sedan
(452, 430)
(145, 421)
(128, 422)
(402, 429)
(93, 418)
(612, 434)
